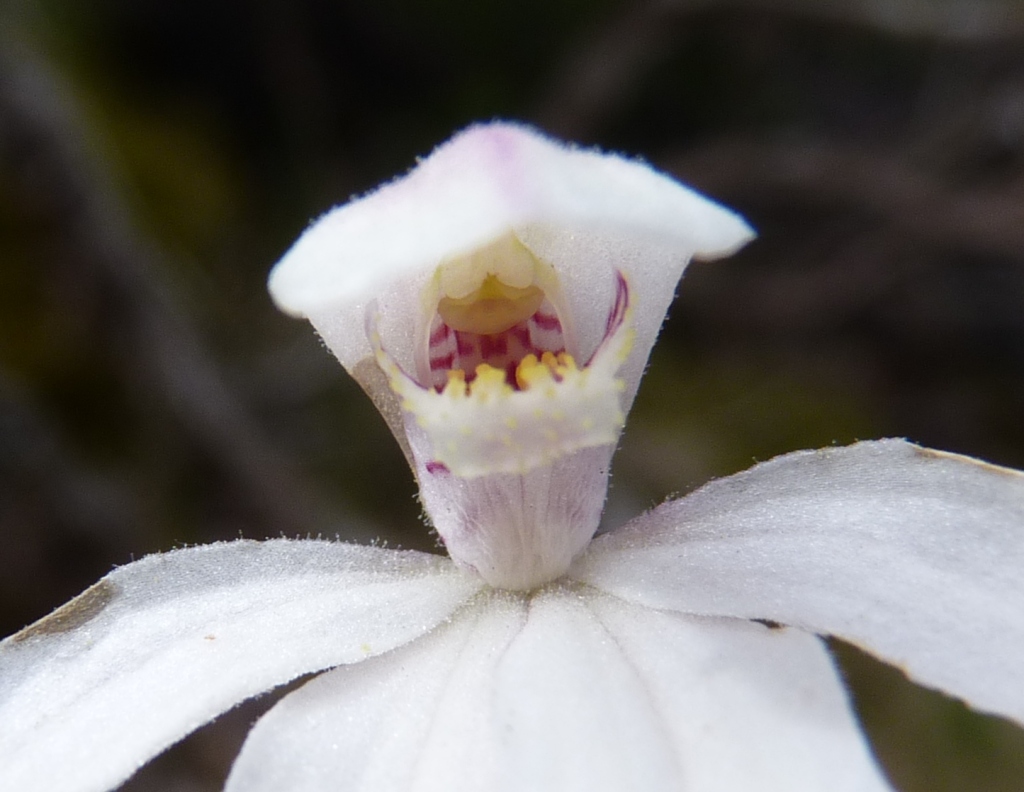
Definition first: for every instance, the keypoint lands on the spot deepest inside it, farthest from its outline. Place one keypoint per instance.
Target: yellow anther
(491, 289)
(492, 308)
(506, 258)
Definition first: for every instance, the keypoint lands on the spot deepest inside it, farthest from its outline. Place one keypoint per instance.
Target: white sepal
(419, 718)
(597, 694)
(162, 645)
(914, 555)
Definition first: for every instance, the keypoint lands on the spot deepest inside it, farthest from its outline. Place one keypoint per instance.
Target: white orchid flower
(499, 303)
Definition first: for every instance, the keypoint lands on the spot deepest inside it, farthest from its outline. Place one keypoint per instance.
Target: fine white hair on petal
(574, 713)
(597, 695)
(569, 690)
(583, 212)
(418, 718)
(518, 531)
(162, 645)
(914, 555)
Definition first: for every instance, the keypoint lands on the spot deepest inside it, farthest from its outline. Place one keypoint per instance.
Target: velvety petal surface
(569, 690)
(160, 646)
(915, 555)
(518, 532)
(596, 694)
(418, 718)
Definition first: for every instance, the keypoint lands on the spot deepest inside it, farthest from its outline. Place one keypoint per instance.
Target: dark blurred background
(157, 157)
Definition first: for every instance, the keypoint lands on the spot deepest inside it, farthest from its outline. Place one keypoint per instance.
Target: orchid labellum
(498, 304)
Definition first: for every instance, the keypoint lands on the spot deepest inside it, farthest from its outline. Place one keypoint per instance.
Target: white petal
(587, 214)
(575, 714)
(419, 718)
(160, 646)
(572, 694)
(598, 696)
(746, 707)
(915, 555)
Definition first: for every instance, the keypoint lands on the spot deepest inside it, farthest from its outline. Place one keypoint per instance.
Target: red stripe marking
(546, 321)
(439, 335)
(464, 344)
(493, 345)
(445, 362)
(520, 333)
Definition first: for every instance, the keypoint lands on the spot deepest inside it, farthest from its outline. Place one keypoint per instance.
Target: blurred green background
(157, 157)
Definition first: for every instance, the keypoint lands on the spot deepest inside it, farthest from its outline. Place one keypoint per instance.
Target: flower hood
(499, 304)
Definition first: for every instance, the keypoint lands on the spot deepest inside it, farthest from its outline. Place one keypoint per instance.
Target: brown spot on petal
(81, 610)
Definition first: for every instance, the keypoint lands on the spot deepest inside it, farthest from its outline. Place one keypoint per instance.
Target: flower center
(493, 311)
(496, 390)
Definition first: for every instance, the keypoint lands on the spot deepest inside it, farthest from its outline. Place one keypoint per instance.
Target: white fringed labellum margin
(503, 283)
